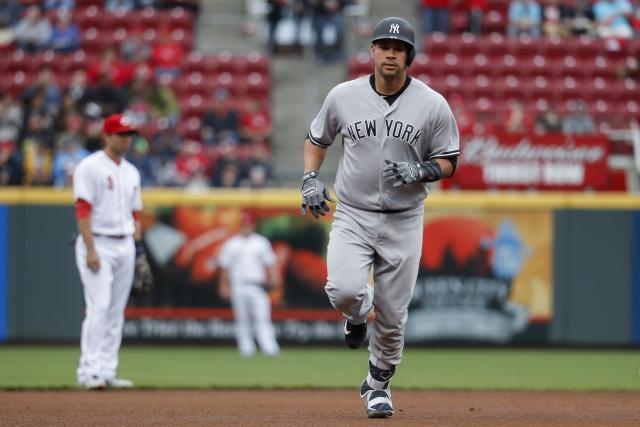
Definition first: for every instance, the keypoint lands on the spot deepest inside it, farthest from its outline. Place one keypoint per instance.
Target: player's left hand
(410, 172)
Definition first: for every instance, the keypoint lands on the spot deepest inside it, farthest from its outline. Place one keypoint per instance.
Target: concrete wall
(44, 292)
(593, 277)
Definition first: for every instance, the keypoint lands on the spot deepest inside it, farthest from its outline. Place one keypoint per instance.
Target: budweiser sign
(548, 162)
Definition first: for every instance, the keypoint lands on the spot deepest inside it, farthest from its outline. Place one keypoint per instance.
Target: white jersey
(246, 259)
(418, 126)
(112, 189)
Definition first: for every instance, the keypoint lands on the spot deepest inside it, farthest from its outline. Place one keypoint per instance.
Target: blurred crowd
(327, 24)
(575, 121)
(48, 128)
(55, 121)
(603, 18)
(35, 25)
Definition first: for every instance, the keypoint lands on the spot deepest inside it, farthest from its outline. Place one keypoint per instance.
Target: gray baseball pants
(392, 244)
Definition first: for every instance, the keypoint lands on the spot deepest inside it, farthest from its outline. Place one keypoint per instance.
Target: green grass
(28, 367)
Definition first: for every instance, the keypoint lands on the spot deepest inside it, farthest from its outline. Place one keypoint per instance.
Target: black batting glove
(410, 172)
(314, 195)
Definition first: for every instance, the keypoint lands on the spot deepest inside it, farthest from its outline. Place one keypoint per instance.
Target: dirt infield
(316, 408)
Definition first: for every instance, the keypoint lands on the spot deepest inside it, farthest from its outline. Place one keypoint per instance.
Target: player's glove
(410, 172)
(314, 195)
(142, 278)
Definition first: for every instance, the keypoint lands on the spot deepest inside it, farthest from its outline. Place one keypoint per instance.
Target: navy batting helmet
(398, 29)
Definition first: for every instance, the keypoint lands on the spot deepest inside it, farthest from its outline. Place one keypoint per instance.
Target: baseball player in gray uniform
(398, 134)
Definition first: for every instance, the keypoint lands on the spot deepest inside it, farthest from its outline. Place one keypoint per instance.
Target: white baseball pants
(105, 294)
(252, 312)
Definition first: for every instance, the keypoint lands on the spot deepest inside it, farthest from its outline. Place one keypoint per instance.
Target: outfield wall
(558, 268)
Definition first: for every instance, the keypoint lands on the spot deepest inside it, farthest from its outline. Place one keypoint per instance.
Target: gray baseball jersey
(418, 126)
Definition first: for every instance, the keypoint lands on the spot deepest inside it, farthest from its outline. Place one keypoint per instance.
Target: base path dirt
(315, 408)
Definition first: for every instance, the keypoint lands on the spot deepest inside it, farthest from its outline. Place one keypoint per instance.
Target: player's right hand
(314, 195)
(93, 261)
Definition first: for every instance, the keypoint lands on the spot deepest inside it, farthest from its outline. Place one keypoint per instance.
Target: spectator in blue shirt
(66, 35)
(612, 18)
(120, 5)
(65, 161)
(525, 17)
(59, 4)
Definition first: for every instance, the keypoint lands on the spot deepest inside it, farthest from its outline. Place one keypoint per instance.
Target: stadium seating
(489, 70)
(551, 70)
(241, 75)
(197, 81)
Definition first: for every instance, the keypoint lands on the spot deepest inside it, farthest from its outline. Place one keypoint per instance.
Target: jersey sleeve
(224, 258)
(136, 203)
(83, 186)
(325, 126)
(445, 138)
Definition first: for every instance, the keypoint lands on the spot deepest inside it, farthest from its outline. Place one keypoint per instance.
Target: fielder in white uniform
(106, 189)
(398, 134)
(248, 268)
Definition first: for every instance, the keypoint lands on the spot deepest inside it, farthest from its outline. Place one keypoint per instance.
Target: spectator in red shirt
(190, 161)
(166, 54)
(435, 16)
(255, 123)
(116, 72)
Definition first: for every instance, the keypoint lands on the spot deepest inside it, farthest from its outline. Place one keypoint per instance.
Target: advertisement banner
(523, 161)
(183, 244)
(484, 276)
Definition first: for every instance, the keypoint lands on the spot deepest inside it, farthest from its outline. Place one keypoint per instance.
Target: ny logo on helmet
(395, 28)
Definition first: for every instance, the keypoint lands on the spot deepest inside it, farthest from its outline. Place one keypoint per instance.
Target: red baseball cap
(247, 219)
(117, 123)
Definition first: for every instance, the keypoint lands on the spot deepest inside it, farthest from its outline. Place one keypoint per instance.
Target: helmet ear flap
(410, 56)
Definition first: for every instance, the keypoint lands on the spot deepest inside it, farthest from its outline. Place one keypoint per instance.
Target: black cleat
(354, 334)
